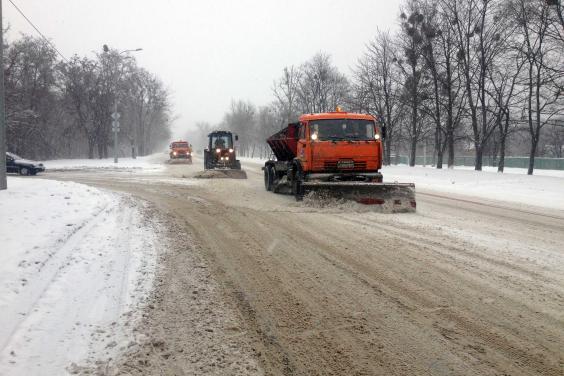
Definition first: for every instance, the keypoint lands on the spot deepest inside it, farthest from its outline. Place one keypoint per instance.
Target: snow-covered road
(255, 283)
(75, 265)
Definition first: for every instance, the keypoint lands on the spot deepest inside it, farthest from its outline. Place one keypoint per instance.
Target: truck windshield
(221, 141)
(342, 129)
(180, 145)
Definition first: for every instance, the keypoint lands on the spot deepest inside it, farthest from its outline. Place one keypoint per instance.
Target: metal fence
(517, 162)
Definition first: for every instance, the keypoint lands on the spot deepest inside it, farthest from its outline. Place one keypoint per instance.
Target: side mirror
(383, 132)
(236, 138)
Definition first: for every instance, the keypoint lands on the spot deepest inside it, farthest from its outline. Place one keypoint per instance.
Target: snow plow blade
(223, 173)
(392, 197)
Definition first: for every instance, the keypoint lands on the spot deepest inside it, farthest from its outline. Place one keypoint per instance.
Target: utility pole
(3, 180)
(115, 129)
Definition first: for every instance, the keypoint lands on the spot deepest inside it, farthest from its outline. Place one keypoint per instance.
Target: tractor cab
(220, 152)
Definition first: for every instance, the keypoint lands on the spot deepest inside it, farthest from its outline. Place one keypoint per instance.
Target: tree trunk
(503, 137)
(412, 152)
(440, 157)
(450, 122)
(479, 158)
(387, 151)
(90, 148)
(532, 153)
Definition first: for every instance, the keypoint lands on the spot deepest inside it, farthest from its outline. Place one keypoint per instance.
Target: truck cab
(339, 146)
(180, 150)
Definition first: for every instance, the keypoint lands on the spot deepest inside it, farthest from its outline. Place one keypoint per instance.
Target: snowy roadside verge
(528, 190)
(149, 163)
(513, 186)
(76, 266)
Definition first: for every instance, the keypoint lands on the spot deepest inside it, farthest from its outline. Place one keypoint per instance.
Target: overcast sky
(210, 52)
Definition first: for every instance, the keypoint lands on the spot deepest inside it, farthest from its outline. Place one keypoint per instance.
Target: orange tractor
(180, 150)
(338, 154)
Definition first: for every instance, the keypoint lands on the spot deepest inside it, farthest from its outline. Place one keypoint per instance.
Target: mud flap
(394, 197)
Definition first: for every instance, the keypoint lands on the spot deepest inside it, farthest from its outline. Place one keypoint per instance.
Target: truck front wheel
(268, 177)
(297, 188)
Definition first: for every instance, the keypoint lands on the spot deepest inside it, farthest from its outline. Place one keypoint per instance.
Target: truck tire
(298, 189)
(268, 177)
(237, 165)
(297, 179)
(206, 161)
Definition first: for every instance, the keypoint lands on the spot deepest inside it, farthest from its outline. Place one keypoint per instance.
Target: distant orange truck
(181, 150)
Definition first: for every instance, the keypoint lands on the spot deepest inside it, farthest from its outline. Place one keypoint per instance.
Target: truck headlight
(314, 136)
(218, 150)
(173, 153)
(231, 150)
(377, 136)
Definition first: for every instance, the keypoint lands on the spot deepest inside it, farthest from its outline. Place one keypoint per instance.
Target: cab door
(304, 146)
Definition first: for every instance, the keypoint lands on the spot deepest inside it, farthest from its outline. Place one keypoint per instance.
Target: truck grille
(344, 165)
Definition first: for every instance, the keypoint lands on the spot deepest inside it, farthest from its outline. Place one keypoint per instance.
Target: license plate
(345, 164)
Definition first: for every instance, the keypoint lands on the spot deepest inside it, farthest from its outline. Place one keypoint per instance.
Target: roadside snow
(543, 191)
(76, 263)
(513, 170)
(546, 189)
(152, 162)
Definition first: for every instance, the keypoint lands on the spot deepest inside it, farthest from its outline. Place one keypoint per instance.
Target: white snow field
(531, 190)
(544, 190)
(75, 262)
(150, 163)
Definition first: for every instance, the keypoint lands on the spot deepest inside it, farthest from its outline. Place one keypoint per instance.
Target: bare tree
(285, 91)
(481, 34)
(321, 86)
(544, 97)
(411, 45)
(377, 86)
(31, 98)
(79, 79)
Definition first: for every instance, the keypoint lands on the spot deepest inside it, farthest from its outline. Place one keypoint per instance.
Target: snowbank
(75, 264)
(545, 189)
(152, 162)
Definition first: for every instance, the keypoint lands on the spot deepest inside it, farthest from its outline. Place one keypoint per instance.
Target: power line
(40, 33)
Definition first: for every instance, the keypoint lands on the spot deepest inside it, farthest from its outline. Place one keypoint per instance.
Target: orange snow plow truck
(180, 150)
(335, 154)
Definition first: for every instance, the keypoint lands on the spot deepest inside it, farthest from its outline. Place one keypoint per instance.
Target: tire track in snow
(18, 311)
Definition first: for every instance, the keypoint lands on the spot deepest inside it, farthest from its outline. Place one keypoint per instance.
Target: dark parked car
(22, 166)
